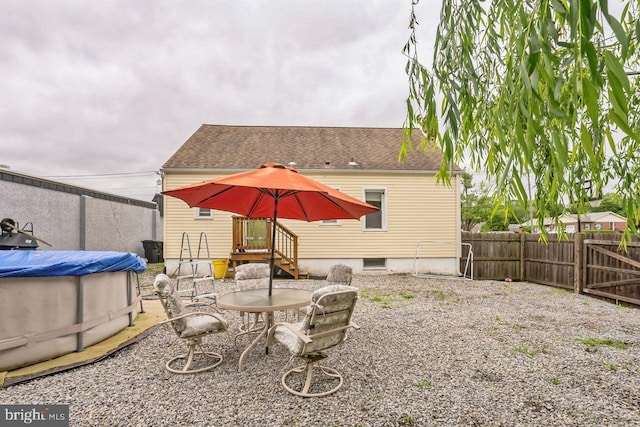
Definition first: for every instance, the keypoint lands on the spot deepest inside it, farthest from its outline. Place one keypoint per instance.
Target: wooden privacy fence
(589, 263)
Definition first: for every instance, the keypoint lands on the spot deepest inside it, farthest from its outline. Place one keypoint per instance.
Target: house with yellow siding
(361, 162)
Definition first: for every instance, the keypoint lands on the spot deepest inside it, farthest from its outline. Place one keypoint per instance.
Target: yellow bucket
(219, 268)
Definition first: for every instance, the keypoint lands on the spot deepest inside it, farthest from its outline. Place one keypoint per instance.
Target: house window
(587, 226)
(375, 221)
(203, 213)
(374, 263)
(598, 226)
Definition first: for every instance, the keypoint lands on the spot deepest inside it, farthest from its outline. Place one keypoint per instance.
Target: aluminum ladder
(192, 277)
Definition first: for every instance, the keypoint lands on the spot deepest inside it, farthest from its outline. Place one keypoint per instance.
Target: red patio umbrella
(273, 191)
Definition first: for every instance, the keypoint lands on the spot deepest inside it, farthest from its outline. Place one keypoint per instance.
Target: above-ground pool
(56, 302)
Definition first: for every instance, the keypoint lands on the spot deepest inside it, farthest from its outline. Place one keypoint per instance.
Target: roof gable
(606, 216)
(247, 147)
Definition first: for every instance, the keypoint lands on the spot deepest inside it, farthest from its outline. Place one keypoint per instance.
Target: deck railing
(254, 235)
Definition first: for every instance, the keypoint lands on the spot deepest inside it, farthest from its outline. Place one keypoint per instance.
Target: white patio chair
(339, 274)
(191, 326)
(251, 276)
(324, 326)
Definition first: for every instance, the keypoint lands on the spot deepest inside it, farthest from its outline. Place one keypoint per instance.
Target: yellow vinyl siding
(179, 218)
(417, 209)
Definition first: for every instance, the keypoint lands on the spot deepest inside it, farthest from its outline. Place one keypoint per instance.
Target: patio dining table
(259, 301)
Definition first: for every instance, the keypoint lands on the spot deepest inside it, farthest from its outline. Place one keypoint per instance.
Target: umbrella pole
(273, 244)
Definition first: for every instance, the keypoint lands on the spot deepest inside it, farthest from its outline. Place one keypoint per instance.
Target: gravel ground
(436, 352)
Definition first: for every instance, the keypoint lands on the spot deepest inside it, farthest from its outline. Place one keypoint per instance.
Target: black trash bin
(153, 251)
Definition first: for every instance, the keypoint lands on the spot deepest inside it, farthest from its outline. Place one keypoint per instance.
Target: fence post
(577, 262)
(523, 240)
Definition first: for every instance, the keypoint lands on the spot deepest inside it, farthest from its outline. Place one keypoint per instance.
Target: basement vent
(374, 263)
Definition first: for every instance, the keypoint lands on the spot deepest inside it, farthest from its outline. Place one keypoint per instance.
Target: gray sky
(115, 87)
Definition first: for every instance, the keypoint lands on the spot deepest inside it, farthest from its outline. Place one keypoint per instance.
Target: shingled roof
(247, 147)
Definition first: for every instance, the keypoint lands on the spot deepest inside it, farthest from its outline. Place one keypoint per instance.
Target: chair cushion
(252, 271)
(295, 345)
(315, 296)
(252, 276)
(339, 274)
(189, 326)
(201, 324)
(286, 336)
(172, 302)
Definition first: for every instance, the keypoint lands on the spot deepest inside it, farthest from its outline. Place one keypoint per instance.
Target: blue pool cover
(67, 263)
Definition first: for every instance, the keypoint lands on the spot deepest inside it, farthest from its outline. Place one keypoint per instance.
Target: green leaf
(558, 7)
(604, 6)
(532, 62)
(551, 30)
(586, 22)
(558, 89)
(534, 45)
(573, 17)
(612, 142)
(505, 170)
(585, 139)
(557, 149)
(521, 193)
(620, 34)
(530, 142)
(534, 83)
(519, 135)
(554, 109)
(615, 67)
(621, 121)
(410, 116)
(592, 57)
(617, 97)
(524, 76)
(590, 97)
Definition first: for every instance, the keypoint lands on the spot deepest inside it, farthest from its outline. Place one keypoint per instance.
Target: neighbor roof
(247, 147)
(600, 216)
(585, 217)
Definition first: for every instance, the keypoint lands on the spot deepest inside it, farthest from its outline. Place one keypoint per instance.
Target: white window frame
(383, 209)
(198, 213)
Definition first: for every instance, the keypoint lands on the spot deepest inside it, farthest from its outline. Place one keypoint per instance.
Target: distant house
(594, 221)
(362, 162)
(597, 221)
